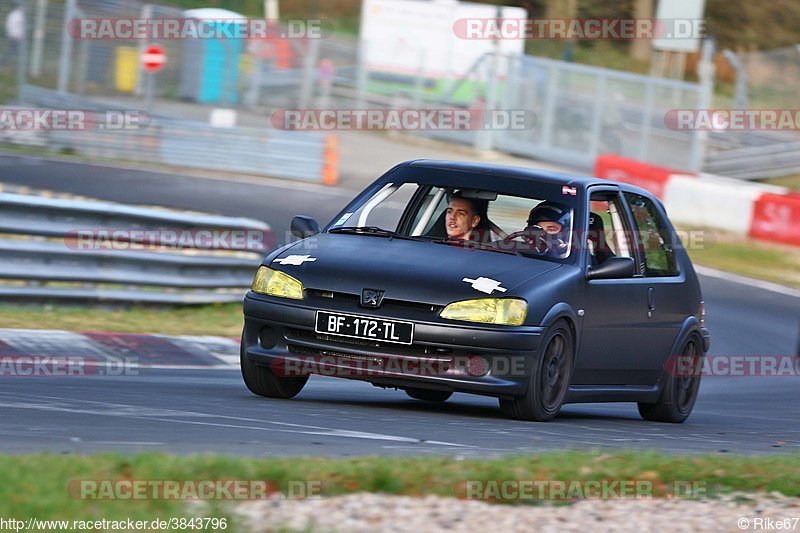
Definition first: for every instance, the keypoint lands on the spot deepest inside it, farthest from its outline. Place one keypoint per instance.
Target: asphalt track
(187, 411)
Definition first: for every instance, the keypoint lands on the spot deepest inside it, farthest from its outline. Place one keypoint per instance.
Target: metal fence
(58, 249)
(582, 111)
(69, 73)
(772, 77)
(764, 80)
(58, 61)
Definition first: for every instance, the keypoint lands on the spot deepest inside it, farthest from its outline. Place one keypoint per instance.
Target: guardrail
(756, 162)
(297, 155)
(58, 249)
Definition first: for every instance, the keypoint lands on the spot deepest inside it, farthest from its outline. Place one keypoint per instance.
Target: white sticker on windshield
(343, 219)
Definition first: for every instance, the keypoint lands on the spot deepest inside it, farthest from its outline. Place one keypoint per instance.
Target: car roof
(523, 174)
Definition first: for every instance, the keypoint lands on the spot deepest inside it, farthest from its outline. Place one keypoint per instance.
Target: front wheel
(549, 378)
(429, 395)
(260, 380)
(680, 390)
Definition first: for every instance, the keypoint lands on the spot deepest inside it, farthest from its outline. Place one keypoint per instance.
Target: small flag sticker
(569, 190)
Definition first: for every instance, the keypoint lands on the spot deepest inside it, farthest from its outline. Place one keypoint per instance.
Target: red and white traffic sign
(153, 58)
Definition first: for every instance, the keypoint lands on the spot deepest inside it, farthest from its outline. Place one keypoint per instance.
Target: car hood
(407, 270)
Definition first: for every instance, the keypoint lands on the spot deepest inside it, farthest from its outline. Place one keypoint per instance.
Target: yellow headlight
(507, 311)
(275, 283)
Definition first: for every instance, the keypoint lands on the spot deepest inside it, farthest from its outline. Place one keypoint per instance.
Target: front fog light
(275, 283)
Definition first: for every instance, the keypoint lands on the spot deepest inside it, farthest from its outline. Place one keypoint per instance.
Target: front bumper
(280, 333)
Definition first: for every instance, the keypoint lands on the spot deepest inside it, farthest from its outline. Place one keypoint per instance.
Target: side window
(607, 236)
(659, 257)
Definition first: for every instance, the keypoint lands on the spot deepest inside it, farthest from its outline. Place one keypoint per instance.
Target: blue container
(210, 67)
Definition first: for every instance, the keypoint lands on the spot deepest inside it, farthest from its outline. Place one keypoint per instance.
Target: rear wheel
(680, 390)
(549, 378)
(429, 395)
(263, 382)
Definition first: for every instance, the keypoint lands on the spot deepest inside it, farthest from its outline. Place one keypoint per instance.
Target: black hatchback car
(533, 287)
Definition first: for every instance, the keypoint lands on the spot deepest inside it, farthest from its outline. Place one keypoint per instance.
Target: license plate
(364, 327)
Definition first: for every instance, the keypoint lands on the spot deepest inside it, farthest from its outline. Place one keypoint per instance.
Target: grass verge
(790, 182)
(756, 259)
(37, 485)
(217, 319)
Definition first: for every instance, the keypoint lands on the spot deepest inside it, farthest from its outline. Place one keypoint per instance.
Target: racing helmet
(552, 212)
(557, 244)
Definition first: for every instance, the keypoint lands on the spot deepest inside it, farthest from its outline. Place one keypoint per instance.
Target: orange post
(330, 162)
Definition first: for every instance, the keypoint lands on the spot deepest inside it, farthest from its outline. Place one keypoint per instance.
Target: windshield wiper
(466, 243)
(374, 230)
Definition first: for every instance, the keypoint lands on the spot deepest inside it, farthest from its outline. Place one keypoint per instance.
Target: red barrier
(776, 217)
(644, 175)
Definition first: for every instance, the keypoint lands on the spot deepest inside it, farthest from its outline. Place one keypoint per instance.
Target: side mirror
(613, 268)
(304, 227)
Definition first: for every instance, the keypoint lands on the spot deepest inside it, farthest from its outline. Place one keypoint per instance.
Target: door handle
(651, 301)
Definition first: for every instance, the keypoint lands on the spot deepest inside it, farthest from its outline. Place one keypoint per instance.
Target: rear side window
(659, 256)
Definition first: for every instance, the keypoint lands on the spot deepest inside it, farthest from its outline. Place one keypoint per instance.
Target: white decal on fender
(294, 260)
(486, 285)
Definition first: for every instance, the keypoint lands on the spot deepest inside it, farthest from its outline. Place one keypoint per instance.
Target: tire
(260, 380)
(680, 392)
(429, 395)
(549, 379)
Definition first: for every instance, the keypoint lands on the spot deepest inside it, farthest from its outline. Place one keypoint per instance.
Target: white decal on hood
(486, 285)
(294, 260)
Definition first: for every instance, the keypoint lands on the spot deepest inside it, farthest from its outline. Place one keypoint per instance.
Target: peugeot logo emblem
(372, 297)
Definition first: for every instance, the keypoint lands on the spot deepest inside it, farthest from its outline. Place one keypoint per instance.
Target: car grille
(352, 301)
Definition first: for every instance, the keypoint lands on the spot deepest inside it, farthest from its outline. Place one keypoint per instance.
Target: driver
(461, 217)
(554, 220)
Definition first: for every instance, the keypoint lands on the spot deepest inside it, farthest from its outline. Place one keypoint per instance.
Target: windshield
(533, 226)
